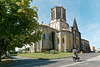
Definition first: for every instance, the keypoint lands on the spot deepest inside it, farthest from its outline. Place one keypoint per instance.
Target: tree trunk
(0, 59)
(7, 54)
(1, 55)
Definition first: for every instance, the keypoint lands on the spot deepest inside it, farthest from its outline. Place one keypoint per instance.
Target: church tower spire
(75, 25)
(76, 36)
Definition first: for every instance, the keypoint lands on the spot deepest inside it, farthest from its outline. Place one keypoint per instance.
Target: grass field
(46, 56)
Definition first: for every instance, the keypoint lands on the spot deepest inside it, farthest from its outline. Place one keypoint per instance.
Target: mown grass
(46, 56)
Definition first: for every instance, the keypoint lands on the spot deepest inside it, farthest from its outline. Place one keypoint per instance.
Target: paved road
(87, 60)
(92, 62)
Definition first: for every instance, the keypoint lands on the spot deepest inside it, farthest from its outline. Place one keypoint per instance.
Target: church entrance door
(53, 40)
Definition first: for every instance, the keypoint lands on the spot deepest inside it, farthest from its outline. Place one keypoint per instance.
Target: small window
(43, 36)
(63, 40)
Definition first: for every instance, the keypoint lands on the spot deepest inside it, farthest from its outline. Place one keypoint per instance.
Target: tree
(18, 24)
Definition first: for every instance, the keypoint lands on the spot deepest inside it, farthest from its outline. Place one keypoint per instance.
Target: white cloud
(92, 33)
(96, 36)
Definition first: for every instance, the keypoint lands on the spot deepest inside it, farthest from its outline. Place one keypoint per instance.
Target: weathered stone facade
(57, 34)
(85, 45)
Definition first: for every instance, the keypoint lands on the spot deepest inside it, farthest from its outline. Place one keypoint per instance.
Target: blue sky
(86, 12)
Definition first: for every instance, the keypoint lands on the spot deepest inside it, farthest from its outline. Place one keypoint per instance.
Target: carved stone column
(41, 45)
(65, 45)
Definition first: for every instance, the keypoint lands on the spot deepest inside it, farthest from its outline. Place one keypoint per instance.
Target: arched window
(64, 15)
(58, 13)
(43, 36)
(63, 40)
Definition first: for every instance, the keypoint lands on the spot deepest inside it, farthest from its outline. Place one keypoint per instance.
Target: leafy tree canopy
(18, 24)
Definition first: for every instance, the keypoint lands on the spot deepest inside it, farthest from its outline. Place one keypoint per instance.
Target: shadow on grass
(6, 62)
(42, 59)
(31, 62)
(13, 54)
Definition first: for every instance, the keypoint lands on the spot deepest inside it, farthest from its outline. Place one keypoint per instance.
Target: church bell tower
(58, 18)
(58, 13)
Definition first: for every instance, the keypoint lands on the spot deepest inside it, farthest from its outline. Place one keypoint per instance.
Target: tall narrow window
(64, 15)
(43, 36)
(63, 40)
(58, 13)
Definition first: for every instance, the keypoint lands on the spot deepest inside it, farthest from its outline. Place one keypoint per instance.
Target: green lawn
(46, 56)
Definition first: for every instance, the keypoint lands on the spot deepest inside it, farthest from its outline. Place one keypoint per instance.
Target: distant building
(92, 48)
(98, 50)
(85, 45)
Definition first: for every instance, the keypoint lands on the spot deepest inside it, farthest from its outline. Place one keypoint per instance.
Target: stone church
(58, 35)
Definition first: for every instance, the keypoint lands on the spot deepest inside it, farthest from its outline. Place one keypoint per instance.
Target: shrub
(53, 52)
(47, 52)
